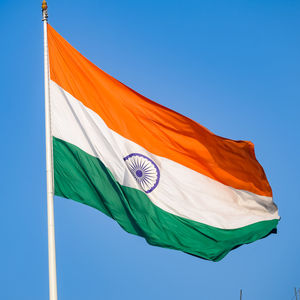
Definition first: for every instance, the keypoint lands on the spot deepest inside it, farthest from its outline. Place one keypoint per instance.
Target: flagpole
(49, 166)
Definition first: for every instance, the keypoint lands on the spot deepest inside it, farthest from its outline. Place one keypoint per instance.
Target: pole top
(44, 5)
(45, 10)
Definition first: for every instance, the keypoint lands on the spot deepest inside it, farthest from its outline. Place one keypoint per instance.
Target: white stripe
(181, 191)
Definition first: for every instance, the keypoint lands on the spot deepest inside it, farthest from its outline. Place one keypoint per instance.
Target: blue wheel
(144, 170)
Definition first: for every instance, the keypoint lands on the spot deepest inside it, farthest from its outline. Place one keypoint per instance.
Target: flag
(159, 174)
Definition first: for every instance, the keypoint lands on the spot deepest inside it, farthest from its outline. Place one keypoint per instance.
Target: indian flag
(159, 174)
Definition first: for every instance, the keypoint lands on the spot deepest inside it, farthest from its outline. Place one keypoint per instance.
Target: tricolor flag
(159, 174)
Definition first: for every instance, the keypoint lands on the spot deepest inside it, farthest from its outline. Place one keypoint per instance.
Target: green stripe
(84, 178)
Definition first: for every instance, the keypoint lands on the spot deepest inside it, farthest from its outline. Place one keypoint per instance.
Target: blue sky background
(233, 66)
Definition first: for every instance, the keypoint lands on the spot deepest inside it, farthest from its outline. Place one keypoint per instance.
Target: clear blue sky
(233, 66)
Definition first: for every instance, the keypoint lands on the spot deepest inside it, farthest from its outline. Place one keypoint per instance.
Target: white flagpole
(49, 167)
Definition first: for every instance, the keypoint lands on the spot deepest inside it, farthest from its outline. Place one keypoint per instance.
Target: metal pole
(49, 167)
(296, 294)
(241, 294)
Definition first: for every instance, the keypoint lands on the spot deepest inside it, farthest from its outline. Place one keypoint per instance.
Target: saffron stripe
(158, 129)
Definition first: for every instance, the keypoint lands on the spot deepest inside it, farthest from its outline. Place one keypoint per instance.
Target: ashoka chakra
(144, 170)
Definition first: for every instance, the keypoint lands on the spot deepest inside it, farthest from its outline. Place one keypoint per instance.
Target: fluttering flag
(159, 174)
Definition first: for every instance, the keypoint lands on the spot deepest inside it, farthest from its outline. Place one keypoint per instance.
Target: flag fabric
(159, 174)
